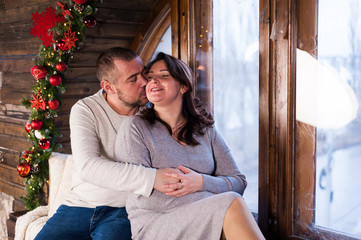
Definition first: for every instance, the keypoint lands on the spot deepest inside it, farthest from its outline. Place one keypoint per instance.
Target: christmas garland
(61, 30)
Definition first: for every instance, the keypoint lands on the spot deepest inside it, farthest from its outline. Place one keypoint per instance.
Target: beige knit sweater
(98, 179)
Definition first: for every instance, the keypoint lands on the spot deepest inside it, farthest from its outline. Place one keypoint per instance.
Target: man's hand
(191, 182)
(164, 183)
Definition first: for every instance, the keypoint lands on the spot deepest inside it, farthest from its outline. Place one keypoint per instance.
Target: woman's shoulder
(134, 122)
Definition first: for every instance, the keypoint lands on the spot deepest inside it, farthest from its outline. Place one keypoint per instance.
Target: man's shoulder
(90, 99)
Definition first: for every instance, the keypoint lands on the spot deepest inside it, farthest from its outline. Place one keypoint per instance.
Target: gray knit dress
(194, 216)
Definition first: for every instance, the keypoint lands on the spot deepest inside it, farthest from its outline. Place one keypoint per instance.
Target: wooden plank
(74, 89)
(25, 46)
(83, 74)
(19, 80)
(81, 89)
(23, 13)
(11, 228)
(175, 28)
(13, 95)
(264, 220)
(66, 106)
(139, 5)
(120, 15)
(14, 111)
(305, 162)
(10, 174)
(18, 205)
(114, 30)
(8, 127)
(12, 189)
(100, 44)
(16, 63)
(84, 59)
(19, 30)
(10, 4)
(14, 143)
(9, 157)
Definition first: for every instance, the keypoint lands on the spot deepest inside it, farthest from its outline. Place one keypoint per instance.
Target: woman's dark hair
(197, 118)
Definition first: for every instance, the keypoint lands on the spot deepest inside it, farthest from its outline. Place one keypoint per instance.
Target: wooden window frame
(148, 38)
(287, 148)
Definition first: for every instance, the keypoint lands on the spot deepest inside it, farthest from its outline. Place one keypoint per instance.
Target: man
(94, 208)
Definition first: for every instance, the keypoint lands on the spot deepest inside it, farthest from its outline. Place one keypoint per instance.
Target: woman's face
(162, 89)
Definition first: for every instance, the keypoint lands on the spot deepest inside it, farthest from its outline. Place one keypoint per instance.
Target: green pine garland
(35, 156)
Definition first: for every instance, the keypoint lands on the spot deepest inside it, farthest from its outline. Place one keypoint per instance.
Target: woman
(173, 132)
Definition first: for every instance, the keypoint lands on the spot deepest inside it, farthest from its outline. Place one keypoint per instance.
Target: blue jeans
(78, 223)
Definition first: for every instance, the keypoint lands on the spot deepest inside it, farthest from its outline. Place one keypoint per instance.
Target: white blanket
(30, 224)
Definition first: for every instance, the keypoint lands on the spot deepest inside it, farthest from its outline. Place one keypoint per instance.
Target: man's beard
(135, 103)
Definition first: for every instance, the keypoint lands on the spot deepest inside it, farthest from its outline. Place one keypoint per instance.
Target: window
(165, 44)
(338, 191)
(235, 85)
(291, 150)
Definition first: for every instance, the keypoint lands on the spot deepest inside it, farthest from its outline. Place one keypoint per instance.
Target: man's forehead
(132, 66)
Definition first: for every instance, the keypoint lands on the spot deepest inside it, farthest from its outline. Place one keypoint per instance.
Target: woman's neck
(172, 115)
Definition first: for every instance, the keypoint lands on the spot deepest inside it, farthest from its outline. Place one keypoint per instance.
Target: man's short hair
(105, 68)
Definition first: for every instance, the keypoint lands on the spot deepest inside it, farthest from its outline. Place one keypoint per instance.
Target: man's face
(130, 85)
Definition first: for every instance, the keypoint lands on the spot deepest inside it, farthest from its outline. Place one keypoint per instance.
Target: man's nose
(144, 81)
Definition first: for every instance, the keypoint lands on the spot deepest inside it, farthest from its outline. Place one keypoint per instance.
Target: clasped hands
(178, 182)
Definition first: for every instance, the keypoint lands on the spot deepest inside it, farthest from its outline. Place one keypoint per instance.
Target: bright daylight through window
(235, 72)
(338, 190)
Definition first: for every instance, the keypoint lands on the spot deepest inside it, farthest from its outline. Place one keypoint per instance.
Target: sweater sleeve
(98, 170)
(227, 176)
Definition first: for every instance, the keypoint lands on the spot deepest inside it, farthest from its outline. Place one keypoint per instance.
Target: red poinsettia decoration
(38, 102)
(69, 39)
(43, 22)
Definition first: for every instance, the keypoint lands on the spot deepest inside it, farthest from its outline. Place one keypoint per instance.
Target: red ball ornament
(90, 21)
(38, 72)
(61, 45)
(23, 169)
(55, 80)
(28, 127)
(60, 66)
(36, 124)
(53, 104)
(80, 1)
(44, 144)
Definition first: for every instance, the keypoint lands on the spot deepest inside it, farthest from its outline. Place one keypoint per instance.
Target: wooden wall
(118, 22)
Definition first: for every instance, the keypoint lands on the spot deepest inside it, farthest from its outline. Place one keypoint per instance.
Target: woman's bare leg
(239, 222)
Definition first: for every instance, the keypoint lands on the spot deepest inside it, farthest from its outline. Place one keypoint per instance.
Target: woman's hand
(189, 181)
(164, 183)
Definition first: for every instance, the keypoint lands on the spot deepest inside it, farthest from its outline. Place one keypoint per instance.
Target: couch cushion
(60, 175)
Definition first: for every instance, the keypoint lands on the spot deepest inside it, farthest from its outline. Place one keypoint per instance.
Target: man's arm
(98, 170)
(103, 172)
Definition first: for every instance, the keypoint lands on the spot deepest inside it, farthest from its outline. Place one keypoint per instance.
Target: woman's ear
(183, 89)
(107, 86)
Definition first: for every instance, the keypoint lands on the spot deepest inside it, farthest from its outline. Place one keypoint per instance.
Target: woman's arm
(227, 176)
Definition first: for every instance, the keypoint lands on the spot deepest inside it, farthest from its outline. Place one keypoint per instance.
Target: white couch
(60, 174)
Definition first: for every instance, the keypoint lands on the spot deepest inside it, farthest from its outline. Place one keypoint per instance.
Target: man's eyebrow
(131, 76)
